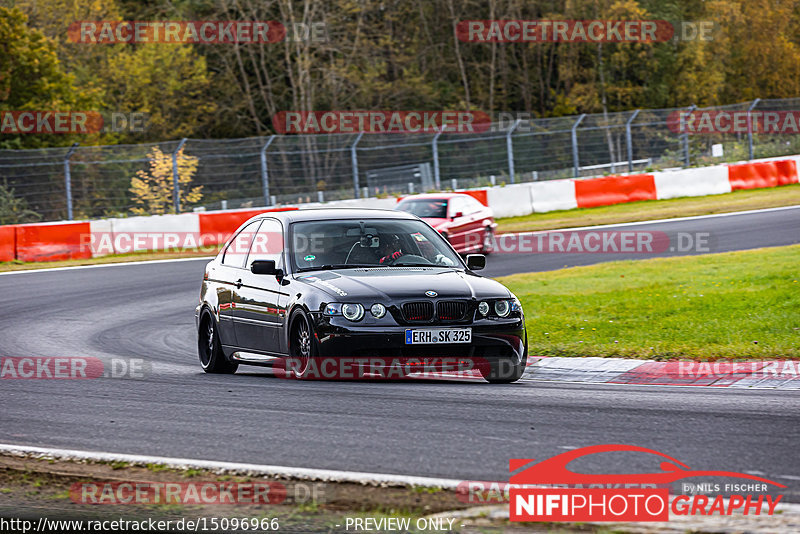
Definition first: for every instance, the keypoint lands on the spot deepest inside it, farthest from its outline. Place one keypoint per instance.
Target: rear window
(435, 208)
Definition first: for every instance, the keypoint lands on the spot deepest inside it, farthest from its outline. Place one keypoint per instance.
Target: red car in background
(463, 220)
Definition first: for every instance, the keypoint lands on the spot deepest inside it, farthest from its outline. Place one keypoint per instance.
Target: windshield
(333, 244)
(433, 208)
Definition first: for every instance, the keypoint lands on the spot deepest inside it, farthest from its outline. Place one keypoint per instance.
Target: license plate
(433, 336)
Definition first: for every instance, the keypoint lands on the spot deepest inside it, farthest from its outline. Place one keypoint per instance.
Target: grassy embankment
(732, 305)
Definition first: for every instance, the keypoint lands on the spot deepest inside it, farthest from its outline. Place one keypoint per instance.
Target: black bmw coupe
(310, 289)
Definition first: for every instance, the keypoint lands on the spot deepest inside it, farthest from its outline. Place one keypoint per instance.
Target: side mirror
(476, 262)
(265, 267)
(457, 215)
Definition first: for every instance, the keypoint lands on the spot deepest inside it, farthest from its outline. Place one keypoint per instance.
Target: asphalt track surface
(451, 429)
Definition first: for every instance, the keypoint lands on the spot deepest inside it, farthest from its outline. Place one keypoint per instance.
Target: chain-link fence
(95, 181)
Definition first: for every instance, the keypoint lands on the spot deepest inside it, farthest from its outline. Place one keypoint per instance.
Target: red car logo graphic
(554, 470)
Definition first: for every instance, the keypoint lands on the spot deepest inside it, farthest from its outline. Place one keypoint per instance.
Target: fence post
(629, 139)
(686, 135)
(510, 149)
(68, 179)
(750, 126)
(176, 188)
(264, 175)
(354, 160)
(575, 162)
(437, 180)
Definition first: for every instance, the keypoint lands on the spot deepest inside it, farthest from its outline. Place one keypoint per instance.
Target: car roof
(436, 196)
(328, 214)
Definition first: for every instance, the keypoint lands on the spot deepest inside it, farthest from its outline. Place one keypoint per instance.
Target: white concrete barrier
(692, 182)
(510, 200)
(553, 195)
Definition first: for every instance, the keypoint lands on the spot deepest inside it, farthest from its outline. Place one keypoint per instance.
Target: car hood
(403, 283)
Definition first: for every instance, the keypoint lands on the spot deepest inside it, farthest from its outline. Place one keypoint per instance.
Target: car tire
(302, 347)
(209, 348)
(488, 241)
(503, 372)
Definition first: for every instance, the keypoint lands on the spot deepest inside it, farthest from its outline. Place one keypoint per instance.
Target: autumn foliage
(153, 189)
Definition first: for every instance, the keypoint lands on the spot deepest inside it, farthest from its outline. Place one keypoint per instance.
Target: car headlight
(333, 309)
(483, 308)
(353, 312)
(378, 310)
(502, 308)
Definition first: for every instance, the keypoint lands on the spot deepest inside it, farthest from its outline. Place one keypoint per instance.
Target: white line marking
(302, 473)
(659, 221)
(73, 267)
(705, 388)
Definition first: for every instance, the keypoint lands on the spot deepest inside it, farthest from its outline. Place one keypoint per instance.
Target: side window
(456, 205)
(236, 251)
(268, 243)
(473, 205)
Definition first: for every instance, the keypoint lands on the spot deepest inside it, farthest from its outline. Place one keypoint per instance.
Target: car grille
(451, 310)
(446, 311)
(418, 311)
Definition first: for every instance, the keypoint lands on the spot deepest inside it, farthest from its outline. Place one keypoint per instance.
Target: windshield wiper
(410, 264)
(331, 266)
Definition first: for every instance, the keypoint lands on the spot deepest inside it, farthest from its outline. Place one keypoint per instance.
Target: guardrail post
(68, 179)
(686, 135)
(354, 161)
(750, 127)
(575, 161)
(629, 138)
(264, 175)
(176, 188)
(510, 149)
(437, 180)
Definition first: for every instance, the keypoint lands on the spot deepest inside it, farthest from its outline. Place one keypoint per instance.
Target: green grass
(788, 195)
(735, 305)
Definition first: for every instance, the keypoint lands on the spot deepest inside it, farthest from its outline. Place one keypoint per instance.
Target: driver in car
(390, 248)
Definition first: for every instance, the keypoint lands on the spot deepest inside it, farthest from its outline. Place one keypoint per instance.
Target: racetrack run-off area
(354, 426)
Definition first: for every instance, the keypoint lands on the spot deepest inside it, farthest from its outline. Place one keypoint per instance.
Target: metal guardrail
(95, 181)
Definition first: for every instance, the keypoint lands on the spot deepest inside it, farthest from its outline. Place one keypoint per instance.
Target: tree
(32, 78)
(153, 188)
(14, 210)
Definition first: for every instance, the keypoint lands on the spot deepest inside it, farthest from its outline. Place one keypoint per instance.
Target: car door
(260, 302)
(473, 225)
(458, 227)
(229, 274)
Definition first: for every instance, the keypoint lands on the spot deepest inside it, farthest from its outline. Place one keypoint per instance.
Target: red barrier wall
(51, 242)
(614, 190)
(8, 243)
(224, 223)
(480, 195)
(762, 174)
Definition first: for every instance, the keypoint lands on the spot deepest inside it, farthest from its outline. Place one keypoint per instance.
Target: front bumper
(492, 340)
